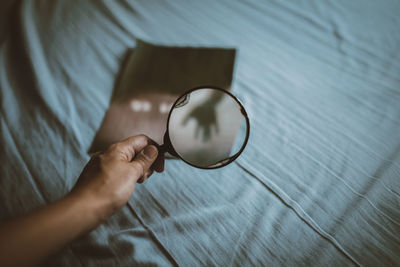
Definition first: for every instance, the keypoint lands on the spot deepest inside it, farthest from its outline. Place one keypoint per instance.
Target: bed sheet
(319, 180)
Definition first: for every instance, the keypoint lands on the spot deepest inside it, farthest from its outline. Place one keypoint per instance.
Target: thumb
(143, 161)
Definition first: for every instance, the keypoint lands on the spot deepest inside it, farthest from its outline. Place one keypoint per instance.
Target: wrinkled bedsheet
(319, 180)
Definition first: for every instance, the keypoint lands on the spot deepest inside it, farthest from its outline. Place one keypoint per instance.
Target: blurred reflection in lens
(207, 127)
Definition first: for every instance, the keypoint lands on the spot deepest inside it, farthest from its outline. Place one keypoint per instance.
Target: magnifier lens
(208, 128)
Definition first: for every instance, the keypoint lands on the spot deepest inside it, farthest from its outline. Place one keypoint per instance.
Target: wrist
(93, 210)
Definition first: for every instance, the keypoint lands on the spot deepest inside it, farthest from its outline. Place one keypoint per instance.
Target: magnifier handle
(162, 148)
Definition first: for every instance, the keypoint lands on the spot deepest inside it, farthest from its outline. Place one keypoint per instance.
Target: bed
(319, 181)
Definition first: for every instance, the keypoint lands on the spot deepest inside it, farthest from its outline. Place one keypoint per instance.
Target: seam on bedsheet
(323, 140)
(299, 211)
(153, 235)
(360, 195)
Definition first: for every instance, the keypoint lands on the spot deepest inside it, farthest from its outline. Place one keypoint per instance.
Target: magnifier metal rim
(242, 110)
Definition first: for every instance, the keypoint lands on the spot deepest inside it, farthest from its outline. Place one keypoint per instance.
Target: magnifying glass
(207, 128)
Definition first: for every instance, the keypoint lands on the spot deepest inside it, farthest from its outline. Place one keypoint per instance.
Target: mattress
(318, 182)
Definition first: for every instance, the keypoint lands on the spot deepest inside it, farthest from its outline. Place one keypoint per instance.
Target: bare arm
(28, 239)
(105, 185)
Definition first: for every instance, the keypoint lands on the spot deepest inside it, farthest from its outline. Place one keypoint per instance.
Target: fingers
(131, 147)
(143, 161)
(216, 127)
(206, 132)
(197, 131)
(145, 176)
(186, 119)
(158, 164)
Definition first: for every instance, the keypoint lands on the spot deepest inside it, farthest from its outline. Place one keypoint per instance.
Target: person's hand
(109, 178)
(105, 185)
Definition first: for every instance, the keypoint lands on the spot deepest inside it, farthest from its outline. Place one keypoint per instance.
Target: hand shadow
(206, 119)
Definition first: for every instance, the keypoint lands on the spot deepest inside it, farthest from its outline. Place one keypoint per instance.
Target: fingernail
(150, 151)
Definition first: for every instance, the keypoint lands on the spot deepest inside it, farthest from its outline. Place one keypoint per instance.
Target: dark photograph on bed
(151, 79)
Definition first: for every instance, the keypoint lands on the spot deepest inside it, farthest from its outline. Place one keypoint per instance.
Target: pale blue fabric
(319, 181)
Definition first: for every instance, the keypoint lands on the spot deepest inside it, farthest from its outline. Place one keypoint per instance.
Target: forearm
(29, 239)
(104, 186)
